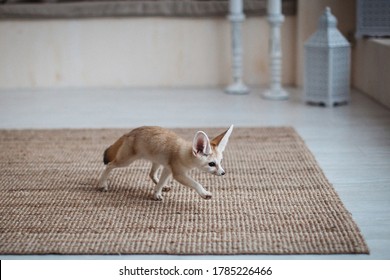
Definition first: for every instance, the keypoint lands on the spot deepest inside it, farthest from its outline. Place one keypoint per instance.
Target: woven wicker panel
(274, 199)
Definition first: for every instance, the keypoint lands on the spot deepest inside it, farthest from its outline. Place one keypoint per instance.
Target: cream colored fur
(167, 150)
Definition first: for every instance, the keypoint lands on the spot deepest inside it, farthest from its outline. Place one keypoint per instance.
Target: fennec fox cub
(164, 148)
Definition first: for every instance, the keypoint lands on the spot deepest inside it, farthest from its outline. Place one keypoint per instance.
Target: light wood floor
(351, 143)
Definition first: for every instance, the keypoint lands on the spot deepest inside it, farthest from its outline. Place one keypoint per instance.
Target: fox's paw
(103, 186)
(207, 195)
(158, 197)
(166, 189)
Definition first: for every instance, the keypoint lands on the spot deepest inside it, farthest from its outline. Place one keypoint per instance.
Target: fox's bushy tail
(106, 159)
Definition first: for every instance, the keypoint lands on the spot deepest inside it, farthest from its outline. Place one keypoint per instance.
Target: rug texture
(274, 199)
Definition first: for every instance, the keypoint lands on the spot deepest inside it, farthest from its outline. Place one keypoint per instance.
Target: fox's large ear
(221, 140)
(201, 144)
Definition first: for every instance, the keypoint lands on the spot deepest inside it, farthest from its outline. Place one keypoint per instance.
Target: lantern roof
(327, 34)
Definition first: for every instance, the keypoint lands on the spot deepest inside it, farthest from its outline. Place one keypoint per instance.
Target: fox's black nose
(223, 173)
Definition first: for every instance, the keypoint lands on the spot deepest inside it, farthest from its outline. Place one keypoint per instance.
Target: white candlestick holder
(276, 91)
(236, 18)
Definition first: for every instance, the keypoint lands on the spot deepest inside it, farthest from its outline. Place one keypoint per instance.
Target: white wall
(135, 52)
(372, 68)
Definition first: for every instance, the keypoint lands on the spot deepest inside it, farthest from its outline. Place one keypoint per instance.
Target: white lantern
(327, 64)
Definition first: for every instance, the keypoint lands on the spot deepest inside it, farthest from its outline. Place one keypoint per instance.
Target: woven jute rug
(274, 199)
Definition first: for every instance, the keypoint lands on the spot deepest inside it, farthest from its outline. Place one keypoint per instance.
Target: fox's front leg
(189, 182)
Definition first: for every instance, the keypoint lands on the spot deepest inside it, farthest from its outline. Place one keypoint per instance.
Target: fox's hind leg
(112, 165)
(103, 178)
(119, 154)
(153, 176)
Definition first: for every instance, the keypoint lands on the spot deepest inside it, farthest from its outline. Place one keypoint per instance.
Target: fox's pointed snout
(220, 172)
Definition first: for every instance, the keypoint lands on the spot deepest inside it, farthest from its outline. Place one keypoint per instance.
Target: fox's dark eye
(212, 164)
